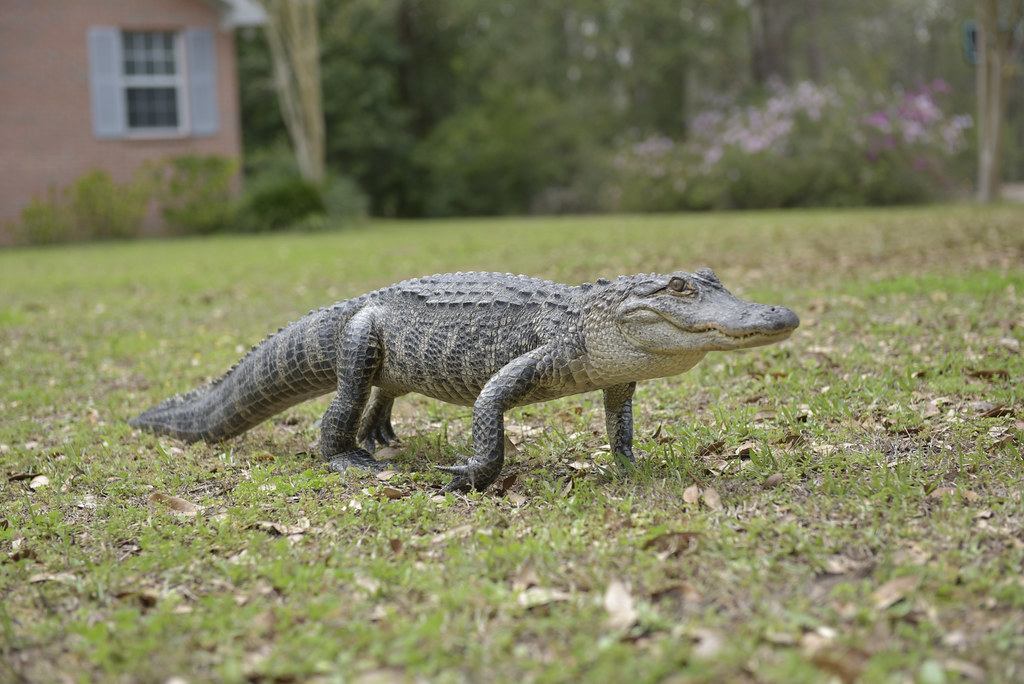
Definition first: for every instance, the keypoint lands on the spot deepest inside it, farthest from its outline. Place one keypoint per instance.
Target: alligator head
(692, 312)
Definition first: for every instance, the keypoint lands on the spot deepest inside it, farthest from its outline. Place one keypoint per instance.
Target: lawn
(845, 505)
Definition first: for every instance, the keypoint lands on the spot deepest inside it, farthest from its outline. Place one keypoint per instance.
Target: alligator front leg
(618, 419)
(359, 357)
(506, 388)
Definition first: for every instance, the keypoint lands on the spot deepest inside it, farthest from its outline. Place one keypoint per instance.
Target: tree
(295, 50)
(995, 41)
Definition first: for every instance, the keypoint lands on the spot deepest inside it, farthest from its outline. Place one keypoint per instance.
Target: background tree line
(459, 107)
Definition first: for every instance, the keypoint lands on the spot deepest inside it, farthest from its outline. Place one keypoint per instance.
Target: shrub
(805, 146)
(195, 192)
(45, 220)
(279, 202)
(91, 207)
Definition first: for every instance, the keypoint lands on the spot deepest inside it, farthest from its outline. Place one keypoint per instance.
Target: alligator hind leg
(375, 427)
(359, 358)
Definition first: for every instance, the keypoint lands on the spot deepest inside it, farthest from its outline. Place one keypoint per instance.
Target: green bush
(503, 156)
(93, 207)
(195, 192)
(45, 220)
(279, 202)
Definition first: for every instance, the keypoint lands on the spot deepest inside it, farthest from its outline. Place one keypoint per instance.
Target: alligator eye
(679, 285)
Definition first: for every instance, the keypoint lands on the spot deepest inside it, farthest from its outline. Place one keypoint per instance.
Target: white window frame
(176, 81)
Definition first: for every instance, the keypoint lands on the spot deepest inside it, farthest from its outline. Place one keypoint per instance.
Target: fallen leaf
(712, 499)
(1011, 344)
(844, 662)
(88, 501)
(711, 448)
(684, 590)
(621, 607)
(391, 493)
(672, 543)
(691, 495)
(38, 482)
(516, 499)
(894, 591)
(772, 481)
(278, 528)
(707, 643)
(744, 450)
(385, 475)
(525, 578)
(994, 412)
(147, 597)
(459, 532)
(505, 484)
(989, 373)
(177, 505)
(15, 477)
(397, 547)
(511, 451)
(64, 577)
(535, 597)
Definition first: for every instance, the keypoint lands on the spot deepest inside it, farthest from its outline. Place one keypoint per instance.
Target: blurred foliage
(196, 192)
(93, 207)
(456, 107)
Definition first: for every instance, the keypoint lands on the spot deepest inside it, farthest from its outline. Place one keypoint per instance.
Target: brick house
(108, 84)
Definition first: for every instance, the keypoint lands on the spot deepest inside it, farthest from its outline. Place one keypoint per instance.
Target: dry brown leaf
(691, 495)
(38, 482)
(385, 475)
(989, 373)
(177, 505)
(511, 451)
(994, 412)
(712, 499)
(391, 493)
(712, 448)
(844, 662)
(147, 597)
(397, 547)
(672, 543)
(621, 607)
(772, 481)
(894, 591)
(744, 450)
(684, 590)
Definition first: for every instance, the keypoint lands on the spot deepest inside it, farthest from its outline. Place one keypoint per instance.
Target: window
(152, 83)
(151, 79)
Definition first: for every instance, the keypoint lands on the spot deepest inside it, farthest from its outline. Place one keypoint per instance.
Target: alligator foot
(470, 476)
(356, 458)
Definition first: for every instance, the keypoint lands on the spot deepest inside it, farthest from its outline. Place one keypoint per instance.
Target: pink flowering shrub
(804, 146)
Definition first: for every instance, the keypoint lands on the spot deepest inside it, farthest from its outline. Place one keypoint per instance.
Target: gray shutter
(200, 55)
(108, 105)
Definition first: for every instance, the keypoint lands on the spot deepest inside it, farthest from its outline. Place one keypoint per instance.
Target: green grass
(868, 521)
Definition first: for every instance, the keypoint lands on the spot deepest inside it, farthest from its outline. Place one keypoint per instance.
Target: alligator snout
(780, 319)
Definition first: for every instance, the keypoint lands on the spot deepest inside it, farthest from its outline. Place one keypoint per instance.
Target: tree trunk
(769, 40)
(295, 50)
(994, 45)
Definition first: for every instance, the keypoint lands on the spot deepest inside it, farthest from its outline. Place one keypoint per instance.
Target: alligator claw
(357, 458)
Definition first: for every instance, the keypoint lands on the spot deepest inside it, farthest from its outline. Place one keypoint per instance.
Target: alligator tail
(293, 365)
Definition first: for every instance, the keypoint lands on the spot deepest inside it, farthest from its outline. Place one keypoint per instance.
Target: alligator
(492, 341)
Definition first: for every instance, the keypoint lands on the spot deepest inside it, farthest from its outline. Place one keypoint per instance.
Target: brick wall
(46, 133)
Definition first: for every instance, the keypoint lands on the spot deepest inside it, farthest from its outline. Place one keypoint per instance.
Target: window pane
(152, 108)
(149, 52)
